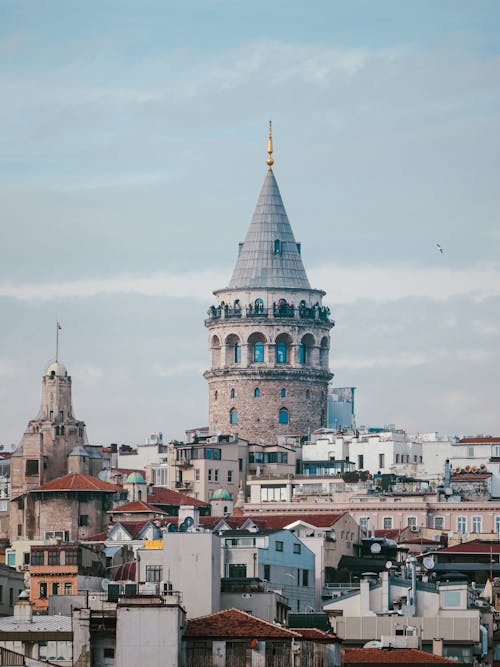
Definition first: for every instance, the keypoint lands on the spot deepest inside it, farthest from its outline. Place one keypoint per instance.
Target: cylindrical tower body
(269, 336)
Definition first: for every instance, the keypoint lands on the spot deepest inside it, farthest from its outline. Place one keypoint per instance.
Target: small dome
(222, 494)
(135, 478)
(58, 369)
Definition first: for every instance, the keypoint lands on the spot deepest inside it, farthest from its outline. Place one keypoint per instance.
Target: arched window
(233, 393)
(259, 305)
(233, 416)
(256, 392)
(237, 353)
(281, 352)
(283, 416)
(216, 394)
(258, 351)
(283, 393)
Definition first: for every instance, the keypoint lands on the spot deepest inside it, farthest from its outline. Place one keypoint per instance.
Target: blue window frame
(283, 392)
(233, 416)
(283, 416)
(258, 352)
(281, 352)
(302, 353)
(237, 353)
(256, 392)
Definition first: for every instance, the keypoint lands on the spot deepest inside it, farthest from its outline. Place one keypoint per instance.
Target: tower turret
(269, 334)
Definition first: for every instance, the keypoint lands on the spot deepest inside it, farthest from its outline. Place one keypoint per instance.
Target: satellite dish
(388, 565)
(183, 528)
(104, 584)
(428, 562)
(172, 528)
(375, 548)
(374, 643)
(188, 521)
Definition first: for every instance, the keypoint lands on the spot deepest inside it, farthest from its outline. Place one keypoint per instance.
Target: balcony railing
(283, 310)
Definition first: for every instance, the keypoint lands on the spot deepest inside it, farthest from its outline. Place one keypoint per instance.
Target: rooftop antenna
(270, 160)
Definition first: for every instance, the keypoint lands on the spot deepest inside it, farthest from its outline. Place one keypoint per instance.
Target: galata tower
(269, 334)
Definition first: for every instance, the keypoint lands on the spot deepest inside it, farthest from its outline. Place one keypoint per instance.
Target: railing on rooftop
(289, 311)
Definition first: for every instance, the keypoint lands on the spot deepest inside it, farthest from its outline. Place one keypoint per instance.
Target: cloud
(177, 369)
(348, 362)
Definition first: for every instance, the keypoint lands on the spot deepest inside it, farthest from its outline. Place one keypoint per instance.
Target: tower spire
(270, 160)
(58, 328)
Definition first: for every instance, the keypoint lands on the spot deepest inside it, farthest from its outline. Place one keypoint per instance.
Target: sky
(132, 150)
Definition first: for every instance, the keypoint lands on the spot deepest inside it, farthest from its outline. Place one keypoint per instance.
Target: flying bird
(438, 246)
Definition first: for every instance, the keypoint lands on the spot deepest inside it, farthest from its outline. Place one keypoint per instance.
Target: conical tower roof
(269, 256)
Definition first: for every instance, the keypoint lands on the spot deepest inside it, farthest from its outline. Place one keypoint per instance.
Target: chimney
(23, 611)
(437, 646)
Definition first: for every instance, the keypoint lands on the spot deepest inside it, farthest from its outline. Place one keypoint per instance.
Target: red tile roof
(420, 540)
(159, 495)
(235, 624)
(399, 656)
(389, 533)
(270, 521)
(137, 506)
(78, 482)
(480, 439)
(473, 547)
(317, 635)
(470, 476)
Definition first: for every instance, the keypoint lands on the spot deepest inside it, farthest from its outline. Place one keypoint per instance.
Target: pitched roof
(258, 264)
(480, 440)
(400, 656)
(77, 482)
(137, 506)
(235, 624)
(472, 547)
(317, 635)
(389, 533)
(159, 495)
(275, 521)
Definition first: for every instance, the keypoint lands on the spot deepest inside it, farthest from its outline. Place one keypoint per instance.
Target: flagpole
(57, 341)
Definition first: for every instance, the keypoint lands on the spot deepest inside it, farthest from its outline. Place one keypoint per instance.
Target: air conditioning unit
(415, 529)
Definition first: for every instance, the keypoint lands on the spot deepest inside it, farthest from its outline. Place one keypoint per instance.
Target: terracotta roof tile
(480, 439)
(472, 547)
(135, 506)
(399, 656)
(159, 495)
(389, 533)
(77, 482)
(235, 624)
(315, 634)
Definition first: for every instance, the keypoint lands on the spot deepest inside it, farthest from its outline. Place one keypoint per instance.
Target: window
(71, 557)
(281, 352)
(397, 458)
(258, 352)
(55, 588)
(283, 416)
(470, 452)
(279, 545)
(461, 524)
(267, 572)
(43, 591)
(411, 521)
(229, 476)
(237, 353)
(451, 599)
(477, 524)
(216, 394)
(53, 557)
(361, 461)
(216, 474)
(233, 416)
(302, 353)
(68, 588)
(259, 305)
(256, 392)
(497, 525)
(277, 247)
(308, 394)
(283, 393)
(305, 577)
(439, 523)
(11, 596)
(83, 520)
(387, 522)
(32, 467)
(297, 548)
(496, 451)
(237, 571)
(36, 558)
(233, 393)
(381, 460)
(363, 523)
(108, 653)
(154, 573)
(210, 474)
(197, 474)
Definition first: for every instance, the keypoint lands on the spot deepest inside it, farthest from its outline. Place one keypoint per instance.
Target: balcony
(183, 463)
(184, 485)
(278, 310)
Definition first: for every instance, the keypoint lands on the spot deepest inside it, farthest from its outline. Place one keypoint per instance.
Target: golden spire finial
(270, 160)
